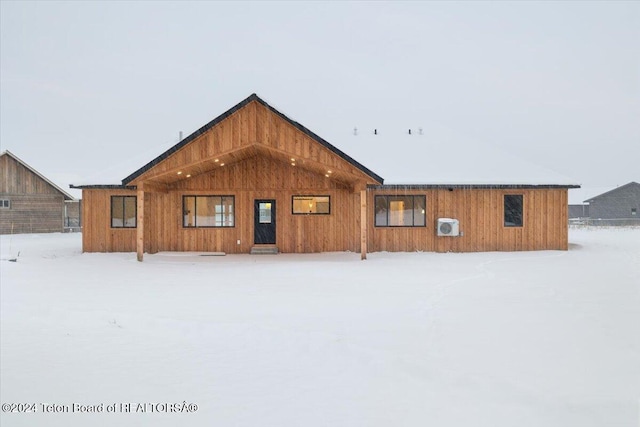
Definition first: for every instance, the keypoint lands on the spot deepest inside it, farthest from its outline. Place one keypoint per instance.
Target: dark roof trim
(252, 97)
(323, 142)
(103, 187)
(467, 186)
(610, 191)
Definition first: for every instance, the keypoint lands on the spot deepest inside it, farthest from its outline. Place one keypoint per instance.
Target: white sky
(84, 84)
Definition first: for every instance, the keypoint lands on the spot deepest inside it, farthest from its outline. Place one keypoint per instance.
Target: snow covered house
(29, 202)
(252, 180)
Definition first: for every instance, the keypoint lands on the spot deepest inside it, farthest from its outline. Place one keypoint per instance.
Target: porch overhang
(163, 180)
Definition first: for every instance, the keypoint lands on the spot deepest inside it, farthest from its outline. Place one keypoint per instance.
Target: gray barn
(622, 203)
(29, 202)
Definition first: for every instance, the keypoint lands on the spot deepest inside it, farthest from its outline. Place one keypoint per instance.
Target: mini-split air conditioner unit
(448, 227)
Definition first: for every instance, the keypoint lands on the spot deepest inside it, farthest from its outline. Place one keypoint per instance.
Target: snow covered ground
(402, 339)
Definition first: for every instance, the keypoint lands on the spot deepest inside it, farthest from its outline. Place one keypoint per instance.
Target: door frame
(272, 226)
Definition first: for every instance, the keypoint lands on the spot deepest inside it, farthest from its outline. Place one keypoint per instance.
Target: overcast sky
(84, 84)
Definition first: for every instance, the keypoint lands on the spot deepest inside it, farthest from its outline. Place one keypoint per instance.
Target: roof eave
(610, 191)
(103, 187)
(471, 186)
(66, 195)
(232, 110)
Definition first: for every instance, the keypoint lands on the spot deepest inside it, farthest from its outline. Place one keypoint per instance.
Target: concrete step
(264, 250)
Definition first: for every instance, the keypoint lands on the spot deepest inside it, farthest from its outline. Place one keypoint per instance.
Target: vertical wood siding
(254, 178)
(255, 124)
(259, 144)
(480, 212)
(16, 179)
(97, 234)
(481, 216)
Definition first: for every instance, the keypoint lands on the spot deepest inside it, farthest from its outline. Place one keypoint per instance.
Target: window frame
(504, 211)
(293, 212)
(387, 196)
(196, 196)
(5, 201)
(135, 217)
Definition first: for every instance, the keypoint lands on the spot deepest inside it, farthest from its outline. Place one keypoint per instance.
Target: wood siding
(97, 234)
(481, 216)
(254, 178)
(36, 207)
(255, 129)
(16, 179)
(249, 156)
(480, 212)
(33, 213)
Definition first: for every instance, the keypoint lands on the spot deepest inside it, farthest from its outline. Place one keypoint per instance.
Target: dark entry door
(264, 220)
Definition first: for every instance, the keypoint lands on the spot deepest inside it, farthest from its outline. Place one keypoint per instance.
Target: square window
(124, 211)
(400, 211)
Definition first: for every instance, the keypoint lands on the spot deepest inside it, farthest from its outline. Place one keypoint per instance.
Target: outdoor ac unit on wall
(448, 227)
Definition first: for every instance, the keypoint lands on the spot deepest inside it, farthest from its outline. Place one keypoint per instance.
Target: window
(208, 211)
(123, 211)
(264, 213)
(400, 211)
(634, 211)
(5, 204)
(513, 210)
(311, 205)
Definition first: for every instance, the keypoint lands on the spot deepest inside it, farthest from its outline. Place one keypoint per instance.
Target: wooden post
(140, 224)
(363, 224)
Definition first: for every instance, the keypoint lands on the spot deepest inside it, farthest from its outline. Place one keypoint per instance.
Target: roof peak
(612, 190)
(251, 98)
(44, 178)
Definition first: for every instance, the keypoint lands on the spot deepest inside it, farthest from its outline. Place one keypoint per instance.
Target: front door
(264, 213)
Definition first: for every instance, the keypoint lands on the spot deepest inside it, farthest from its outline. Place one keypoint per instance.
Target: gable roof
(578, 196)
(223, 116)
(66, 195)
(607, 193)
(437, 157)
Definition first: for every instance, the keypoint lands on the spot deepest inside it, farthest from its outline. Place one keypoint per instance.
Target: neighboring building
(29, 202)
(254, 180)
(620, 205)
(72, 215)
(578, 211)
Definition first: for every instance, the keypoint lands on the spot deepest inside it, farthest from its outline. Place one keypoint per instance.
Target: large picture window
(124, 211)
(311, 205)
(400, 211)
(513, 206)
(208, 211)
